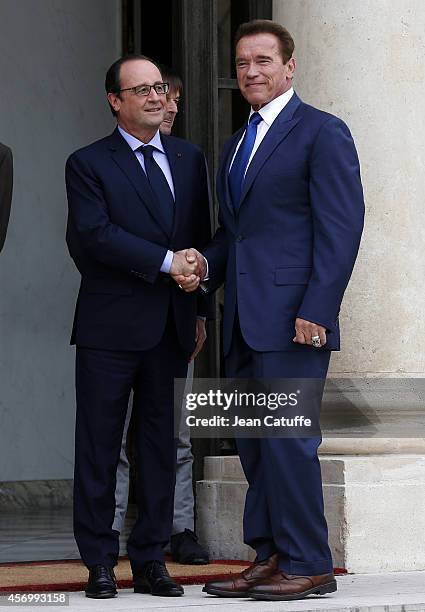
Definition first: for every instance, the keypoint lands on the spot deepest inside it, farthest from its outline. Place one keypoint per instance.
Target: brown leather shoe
(284, 587)
(239, 584)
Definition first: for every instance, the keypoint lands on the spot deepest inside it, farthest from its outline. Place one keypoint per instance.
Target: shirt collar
(270, 111)
(134, 143)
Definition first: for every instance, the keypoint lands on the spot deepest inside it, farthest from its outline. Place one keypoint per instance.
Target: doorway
(195, 38)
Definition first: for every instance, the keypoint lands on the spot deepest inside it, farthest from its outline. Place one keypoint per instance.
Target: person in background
(183, 544)
(6, 185)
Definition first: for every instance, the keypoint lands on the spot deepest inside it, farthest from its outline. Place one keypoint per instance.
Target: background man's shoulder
(5, 151)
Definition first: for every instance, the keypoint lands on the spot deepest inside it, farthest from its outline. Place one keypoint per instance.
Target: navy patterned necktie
(159, 185)
(237, 171)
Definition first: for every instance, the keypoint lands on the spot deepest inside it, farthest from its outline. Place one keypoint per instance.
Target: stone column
(364, 62)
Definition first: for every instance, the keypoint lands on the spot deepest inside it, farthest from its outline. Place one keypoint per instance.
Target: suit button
(239, 238)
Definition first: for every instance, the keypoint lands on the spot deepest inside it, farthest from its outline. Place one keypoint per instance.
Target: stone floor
(399, 592)
(28, 535)
(42, 535)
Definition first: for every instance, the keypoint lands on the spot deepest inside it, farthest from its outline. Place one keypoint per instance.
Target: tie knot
(147, 151)
(255, 119)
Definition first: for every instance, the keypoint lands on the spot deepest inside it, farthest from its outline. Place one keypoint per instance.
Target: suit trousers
(104, 380)
(284, 504)
(183, 495)
(184, 501)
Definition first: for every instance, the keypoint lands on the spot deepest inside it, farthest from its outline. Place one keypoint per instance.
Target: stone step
(373, 505)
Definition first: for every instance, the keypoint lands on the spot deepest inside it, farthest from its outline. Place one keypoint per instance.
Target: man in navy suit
(184, 545)
(291, 216)
(136, 201)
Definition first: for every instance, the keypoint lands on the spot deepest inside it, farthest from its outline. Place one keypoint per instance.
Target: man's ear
(292, 64)
(114, 100)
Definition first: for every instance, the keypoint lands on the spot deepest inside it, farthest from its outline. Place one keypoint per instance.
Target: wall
(53, 58)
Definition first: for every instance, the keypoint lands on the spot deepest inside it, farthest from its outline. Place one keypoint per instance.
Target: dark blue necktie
(237, 171)
(159, 185)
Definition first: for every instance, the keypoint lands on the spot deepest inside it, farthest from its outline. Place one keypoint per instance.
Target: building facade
(359, 60)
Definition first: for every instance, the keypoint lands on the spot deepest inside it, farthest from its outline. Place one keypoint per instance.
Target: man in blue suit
(291, 218)
(136, 201)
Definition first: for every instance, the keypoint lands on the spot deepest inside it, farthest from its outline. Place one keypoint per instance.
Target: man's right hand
(188, 269)
(184, 263)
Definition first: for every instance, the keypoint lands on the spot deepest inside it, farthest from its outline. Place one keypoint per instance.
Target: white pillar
(365, 62)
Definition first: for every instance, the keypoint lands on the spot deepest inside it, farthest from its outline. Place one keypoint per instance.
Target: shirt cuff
(207, 275)
(166, 264)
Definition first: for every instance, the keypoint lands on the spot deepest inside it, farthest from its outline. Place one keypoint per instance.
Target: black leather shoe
(186, 550)
(101, 583)
(154, 578)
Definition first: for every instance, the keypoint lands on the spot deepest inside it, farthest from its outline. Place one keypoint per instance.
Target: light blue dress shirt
(161, 159)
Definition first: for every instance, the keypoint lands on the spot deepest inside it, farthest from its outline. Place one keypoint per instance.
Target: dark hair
(171, 77)
(112, 78)
(266, 26)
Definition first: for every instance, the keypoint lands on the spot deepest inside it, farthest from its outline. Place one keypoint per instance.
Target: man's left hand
(201, 336)
(305, 331)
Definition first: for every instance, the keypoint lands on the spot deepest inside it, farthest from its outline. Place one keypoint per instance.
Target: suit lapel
(279, 130)
(125, 158)
(224, 175)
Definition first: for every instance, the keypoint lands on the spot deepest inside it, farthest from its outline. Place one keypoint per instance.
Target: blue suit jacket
(290, 250)
(118, 242)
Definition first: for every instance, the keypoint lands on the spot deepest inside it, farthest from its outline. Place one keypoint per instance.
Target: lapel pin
(178, 154)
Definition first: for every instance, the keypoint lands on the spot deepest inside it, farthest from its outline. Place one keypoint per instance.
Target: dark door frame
(194, 55)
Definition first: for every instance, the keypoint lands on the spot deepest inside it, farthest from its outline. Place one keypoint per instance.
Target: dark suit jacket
(6, 184)
(117, 239)
(290, 250)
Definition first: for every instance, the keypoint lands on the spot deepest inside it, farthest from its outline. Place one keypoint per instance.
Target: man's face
(171, 110)
(261, 73)
(136, 113)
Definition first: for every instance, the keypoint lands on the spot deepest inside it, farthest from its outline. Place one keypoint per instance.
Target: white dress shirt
(160, 157)
(268, 113)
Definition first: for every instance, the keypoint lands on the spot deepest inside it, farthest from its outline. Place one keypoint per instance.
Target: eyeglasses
(144, 90)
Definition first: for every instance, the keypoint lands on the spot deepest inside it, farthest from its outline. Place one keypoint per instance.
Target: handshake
(188, 269)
